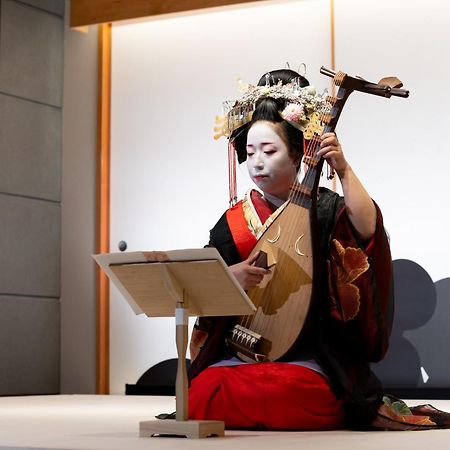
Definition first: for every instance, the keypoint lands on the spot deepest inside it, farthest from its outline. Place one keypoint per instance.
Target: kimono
(352, 315)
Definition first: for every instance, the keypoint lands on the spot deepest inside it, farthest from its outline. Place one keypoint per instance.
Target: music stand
(180, 283)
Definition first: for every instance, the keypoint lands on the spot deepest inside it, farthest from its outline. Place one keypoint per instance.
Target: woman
(327, 383)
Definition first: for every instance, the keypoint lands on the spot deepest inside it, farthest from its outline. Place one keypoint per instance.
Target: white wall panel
(169, 178)
(399, 147)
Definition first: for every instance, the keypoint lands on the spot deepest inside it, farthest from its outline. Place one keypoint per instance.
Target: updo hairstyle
(269, 109)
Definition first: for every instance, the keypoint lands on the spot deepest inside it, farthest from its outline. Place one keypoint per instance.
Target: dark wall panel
(53, 6)
(31, 49)
(31, 81)
(30, 142)
(29, 350)
(30, 241)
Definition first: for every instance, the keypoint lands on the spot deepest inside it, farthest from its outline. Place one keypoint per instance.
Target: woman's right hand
(247, 274)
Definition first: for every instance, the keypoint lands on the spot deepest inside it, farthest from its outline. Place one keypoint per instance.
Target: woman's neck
(275, 201)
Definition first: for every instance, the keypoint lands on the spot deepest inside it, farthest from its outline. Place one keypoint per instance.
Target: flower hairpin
(304, 107)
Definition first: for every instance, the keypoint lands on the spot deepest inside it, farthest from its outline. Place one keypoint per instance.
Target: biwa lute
(289, 245)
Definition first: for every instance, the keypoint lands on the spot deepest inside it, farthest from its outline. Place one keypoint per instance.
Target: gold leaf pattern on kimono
(349, 263)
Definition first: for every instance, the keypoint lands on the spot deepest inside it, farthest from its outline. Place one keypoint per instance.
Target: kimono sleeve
(361, 288)
(207, 344)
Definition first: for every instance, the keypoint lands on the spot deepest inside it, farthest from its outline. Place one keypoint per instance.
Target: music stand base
(190, 428)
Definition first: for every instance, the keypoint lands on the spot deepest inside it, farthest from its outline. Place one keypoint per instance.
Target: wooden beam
(89, 12)
(103, 202)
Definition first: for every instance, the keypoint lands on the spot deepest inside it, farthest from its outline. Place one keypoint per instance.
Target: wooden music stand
(184, 283)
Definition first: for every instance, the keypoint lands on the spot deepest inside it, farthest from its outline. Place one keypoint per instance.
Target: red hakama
(265, 396)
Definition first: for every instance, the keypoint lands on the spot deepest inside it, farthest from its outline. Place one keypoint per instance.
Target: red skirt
(265, 396)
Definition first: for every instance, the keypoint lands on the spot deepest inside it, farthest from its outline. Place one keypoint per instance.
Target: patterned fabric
(353, 322)
(360, 288)
(394, 414)
(248, 219)
(344, 267)
(352, 318)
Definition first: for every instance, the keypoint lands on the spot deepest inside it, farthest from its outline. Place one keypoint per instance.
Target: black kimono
(352, 315)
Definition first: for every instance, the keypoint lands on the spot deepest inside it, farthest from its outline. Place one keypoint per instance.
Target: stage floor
(94, 422)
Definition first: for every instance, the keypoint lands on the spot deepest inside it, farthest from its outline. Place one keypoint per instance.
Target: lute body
(283, 297)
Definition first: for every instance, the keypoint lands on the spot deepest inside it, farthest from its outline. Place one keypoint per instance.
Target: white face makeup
(268, 161)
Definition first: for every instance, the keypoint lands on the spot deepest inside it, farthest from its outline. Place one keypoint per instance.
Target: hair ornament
(304, 106)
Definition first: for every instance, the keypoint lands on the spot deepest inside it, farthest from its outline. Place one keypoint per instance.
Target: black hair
(268, 109)
(284, 75)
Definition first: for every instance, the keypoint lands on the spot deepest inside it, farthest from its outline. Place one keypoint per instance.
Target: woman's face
(269, 164)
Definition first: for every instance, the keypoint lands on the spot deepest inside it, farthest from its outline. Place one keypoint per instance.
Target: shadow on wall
(419, 351)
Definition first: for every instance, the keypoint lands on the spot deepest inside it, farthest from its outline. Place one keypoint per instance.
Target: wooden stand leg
(181, 385)
(182, 426)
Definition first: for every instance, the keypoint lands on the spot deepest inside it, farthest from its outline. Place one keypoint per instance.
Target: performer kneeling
(327, 383)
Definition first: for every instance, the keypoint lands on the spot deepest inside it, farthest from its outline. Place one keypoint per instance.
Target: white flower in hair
(293, 112)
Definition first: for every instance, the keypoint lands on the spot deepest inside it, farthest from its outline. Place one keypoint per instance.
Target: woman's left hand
(331, 150)
(360, 207)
